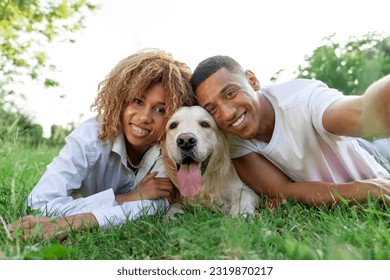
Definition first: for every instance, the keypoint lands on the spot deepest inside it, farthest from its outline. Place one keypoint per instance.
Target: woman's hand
(151, 187)
(32, 226)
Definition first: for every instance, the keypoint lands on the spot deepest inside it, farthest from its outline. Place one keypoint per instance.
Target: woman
(110, 169)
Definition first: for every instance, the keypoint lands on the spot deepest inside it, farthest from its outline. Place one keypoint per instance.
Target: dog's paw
(247, 203)
(171, 215)
(235, 210)
(242, 209)
(174, 209)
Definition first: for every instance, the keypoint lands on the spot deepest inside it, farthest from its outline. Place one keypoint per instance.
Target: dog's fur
(192, 136)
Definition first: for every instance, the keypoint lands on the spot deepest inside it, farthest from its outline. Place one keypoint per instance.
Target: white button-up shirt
(88, 173)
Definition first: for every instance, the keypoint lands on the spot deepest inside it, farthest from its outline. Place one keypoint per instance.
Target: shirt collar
(119, 147)
(152, 155)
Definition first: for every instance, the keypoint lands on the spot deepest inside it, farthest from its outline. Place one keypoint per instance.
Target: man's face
(232, 101)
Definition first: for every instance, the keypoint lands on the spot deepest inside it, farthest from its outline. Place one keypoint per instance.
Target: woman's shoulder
(88, 131)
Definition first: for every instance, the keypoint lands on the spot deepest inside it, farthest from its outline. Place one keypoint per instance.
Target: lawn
(291, 232)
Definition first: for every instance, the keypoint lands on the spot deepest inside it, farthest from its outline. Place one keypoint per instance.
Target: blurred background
(53, 54)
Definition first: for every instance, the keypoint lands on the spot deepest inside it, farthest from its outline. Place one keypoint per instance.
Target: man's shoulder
(296, 85)
(289, 93)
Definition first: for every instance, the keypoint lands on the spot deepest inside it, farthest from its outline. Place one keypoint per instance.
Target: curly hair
(131, 78)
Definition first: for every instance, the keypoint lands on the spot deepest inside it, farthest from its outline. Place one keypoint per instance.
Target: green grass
(291, 232)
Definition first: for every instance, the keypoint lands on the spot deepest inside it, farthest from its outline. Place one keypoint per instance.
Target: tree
(349, 67)
(58, 133)
(26, 28)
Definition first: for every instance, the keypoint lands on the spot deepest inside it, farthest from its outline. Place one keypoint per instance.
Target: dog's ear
(224, 145)
(162, 136)
(170, 166)
(222, 161)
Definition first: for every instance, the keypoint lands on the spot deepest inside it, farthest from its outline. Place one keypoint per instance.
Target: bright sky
(263, 35)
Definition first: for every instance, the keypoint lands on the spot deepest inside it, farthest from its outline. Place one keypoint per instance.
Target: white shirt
(88, 173)
(300, 146)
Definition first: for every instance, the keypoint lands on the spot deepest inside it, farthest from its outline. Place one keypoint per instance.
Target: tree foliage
(27, 26)
(349, 67)
(58, 134)
(26, 29)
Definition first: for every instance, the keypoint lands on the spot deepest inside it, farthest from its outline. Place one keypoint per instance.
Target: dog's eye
(204, 124)
(173, 125)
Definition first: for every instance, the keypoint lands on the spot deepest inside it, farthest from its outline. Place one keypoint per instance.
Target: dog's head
(192, 142)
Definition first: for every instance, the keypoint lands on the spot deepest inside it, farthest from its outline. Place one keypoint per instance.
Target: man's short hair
(210, 65)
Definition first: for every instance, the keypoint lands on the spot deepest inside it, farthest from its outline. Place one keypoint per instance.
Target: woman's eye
(160, 110)
(137, 101)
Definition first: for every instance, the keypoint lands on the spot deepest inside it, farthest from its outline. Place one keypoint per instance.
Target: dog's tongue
(189, 179)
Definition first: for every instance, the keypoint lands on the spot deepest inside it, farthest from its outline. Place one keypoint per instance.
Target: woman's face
(144, 119)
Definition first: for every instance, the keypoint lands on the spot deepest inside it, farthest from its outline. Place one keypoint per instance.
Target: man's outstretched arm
(266, 179)
(361, 116)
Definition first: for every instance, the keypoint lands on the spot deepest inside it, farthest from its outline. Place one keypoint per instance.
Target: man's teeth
(239, 121)
(139, 130)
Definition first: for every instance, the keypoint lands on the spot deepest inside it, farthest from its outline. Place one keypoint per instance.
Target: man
(300, 131)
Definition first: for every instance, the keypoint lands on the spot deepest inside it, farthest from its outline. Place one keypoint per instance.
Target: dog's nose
(186, 141)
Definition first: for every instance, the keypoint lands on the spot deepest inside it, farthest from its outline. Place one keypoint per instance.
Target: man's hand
(378, 188)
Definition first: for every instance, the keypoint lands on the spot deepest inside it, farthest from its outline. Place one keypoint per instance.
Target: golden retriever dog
(196, 158)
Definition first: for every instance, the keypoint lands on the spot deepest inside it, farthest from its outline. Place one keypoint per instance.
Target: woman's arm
(64, 175)
(266, 179)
